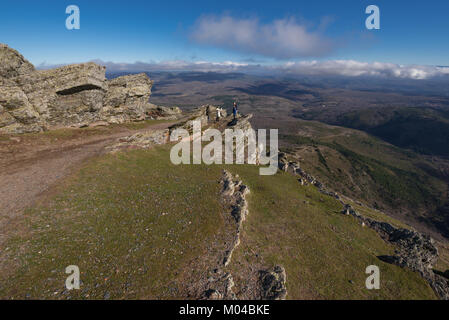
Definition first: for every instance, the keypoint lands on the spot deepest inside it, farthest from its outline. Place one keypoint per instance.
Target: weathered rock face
(16, 112)
(67, 95)
(73, 95)
(167, 113)
(12, 63)
(127, 98)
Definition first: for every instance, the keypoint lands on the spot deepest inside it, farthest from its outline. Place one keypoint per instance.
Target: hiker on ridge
(235, 109)
(219, 110)
(208, 113)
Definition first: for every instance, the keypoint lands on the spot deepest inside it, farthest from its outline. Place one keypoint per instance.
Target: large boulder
(159, 112)
(127, 98)
(128, 90)
(272, 283)
(17, 115)
(67, 95)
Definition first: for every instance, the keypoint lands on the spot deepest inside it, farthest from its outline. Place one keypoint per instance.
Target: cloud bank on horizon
(352, 68)
(346, 68)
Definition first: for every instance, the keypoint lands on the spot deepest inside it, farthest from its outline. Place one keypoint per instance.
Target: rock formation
(233, 195)
(143, 140)
(273, 284)
(414, 250)
(74, 95)
(12, 63)
(235, 192)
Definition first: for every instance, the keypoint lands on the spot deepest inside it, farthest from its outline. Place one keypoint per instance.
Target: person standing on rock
(219, 109)
(235, 109)
(208, 113)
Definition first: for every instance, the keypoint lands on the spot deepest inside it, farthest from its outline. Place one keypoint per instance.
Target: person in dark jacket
(208, 113)
(235, 109)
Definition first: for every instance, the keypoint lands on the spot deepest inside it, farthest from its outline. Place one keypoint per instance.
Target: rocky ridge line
(271, 283)
(234, 191)
(233, 194)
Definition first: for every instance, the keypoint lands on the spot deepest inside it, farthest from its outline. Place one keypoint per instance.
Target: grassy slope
(321, 249)
(423, 129)
(366, 168)
(108, 220)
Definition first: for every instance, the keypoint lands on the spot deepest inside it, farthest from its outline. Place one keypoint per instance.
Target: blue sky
(412, 32)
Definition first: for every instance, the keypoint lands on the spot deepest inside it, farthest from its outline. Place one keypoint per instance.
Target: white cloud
(282, 39)
(347, 68)
(354, 68)
(175, 65)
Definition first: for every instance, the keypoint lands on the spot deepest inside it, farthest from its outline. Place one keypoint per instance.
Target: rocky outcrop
(153, 137)
(165, 113)
(64, 96)
(233, 195)
(142, 140)
(16, 112)
(197, 115)
(127, 99)
(272, 283)
(74, 95)
(293, 167)
(241, 123)
(221, 285)
(235, 192)
(414, 251)
(12, 63)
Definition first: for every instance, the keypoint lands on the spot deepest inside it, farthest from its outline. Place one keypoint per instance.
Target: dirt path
(31, 165)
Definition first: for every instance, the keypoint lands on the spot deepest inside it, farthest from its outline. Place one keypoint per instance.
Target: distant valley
(405, 171)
